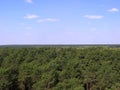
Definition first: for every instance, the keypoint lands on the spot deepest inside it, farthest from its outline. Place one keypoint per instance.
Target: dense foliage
(50, 68)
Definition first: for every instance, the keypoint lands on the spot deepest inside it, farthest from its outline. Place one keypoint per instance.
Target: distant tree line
(55, 68)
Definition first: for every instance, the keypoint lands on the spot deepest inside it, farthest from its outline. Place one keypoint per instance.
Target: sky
(59, 22)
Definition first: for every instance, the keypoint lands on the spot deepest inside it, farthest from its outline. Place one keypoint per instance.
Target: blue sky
(59, 22)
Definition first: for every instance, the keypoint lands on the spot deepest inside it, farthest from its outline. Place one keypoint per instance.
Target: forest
(60, 68)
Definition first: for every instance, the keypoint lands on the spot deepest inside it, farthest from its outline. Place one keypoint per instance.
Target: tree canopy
(58, 68)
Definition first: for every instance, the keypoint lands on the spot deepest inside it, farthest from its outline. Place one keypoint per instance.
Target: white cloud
(28, 27)
(48, 20)
(113, 10)
(29, 1)
(31, 16)
(25, 26)
(52, 19)
(93, 29)
(93, 16)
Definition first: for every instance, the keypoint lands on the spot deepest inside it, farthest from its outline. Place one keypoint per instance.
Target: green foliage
(56, 68)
